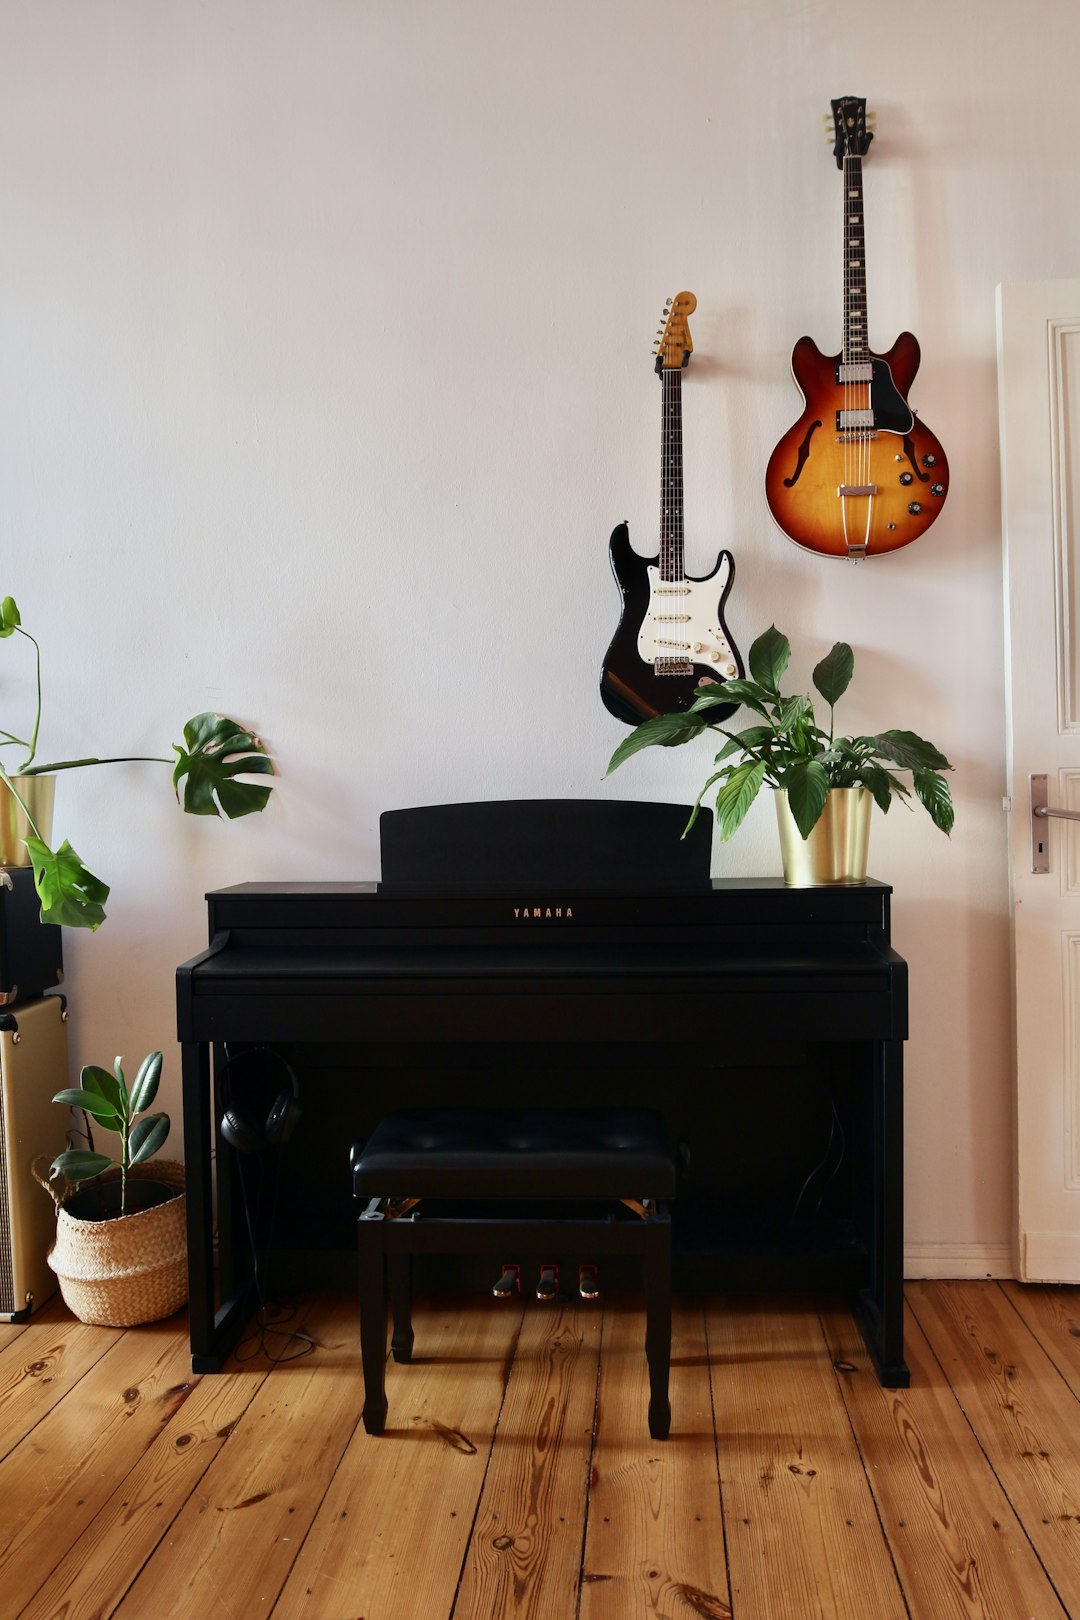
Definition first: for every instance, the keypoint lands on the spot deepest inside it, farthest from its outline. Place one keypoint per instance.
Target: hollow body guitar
(858, 474)
(671, 636)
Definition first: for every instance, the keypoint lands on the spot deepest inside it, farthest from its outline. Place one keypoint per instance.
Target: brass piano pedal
(548, 1287)
(588, 1281)
(509, 1283)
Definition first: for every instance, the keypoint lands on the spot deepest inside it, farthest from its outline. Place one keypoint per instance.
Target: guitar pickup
(861, 372)
(856, 489)
(854, 419)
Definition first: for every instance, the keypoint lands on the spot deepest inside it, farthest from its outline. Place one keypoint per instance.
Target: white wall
(325, 334)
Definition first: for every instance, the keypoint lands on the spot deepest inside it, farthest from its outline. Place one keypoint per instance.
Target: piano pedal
(588, 1281)
(548, 1286)
(509, 1282)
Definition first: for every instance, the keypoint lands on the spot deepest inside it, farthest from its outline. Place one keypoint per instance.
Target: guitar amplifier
(30, 950)
(33, 1068)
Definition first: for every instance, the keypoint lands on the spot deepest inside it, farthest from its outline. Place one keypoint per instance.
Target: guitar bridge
(673, 666)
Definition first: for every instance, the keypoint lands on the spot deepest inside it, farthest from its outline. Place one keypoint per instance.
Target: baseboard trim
(958, 1260)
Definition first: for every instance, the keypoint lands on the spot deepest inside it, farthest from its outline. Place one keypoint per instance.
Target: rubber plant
(215, 753)
(106, 1098)
(787, 749)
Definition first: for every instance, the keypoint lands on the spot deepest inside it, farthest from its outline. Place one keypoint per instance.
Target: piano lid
(519, 844)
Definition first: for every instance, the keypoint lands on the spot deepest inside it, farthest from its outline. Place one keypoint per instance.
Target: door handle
(1040, 813)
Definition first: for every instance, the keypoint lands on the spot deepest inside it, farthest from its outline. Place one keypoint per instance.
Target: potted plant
(214, 753)
(120, 1253)
(825, 785)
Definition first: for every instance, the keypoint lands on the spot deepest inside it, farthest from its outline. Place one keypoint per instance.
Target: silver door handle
(1040, 811)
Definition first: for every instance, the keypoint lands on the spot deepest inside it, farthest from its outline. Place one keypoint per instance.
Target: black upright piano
(558, 952)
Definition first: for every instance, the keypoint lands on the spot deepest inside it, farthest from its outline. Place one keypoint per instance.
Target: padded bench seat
(517, 1153)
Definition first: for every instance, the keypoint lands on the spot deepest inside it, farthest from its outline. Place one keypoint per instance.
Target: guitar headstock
(673, 347)
(851, 128)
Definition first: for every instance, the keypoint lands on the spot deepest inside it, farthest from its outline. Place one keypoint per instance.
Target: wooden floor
(516, 1477)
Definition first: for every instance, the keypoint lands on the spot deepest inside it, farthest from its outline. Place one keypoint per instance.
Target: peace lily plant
(215, 751)
(788, 750)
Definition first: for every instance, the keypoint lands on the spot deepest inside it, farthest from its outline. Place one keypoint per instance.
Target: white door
(1039, 410)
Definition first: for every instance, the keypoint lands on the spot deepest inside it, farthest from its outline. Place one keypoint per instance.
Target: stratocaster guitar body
(656, 616)
(858, 474)
(671, 636)
(854, 491)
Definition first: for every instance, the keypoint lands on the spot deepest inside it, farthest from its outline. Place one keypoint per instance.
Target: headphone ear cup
(282, 1119)
(238, 1133)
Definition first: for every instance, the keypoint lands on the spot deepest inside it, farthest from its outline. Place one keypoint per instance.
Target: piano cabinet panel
(773, 1195)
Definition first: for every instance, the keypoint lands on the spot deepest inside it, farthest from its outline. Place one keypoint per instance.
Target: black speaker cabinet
(31, 958)
(33, 1068)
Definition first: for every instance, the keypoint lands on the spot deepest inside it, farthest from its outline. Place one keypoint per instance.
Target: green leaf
(904, 748)
(147, 1135)
(96, 1106)
(664, 730)
(736, 796)
(79, 1164)
(769, 657)
(9, 617)
(216, 751)
(933, 791)
(882, 784)
(807, 787)
(792, 711)
(69, 893)
(106, 1085)
(747, 692)
(833, 675)
(145, 1088)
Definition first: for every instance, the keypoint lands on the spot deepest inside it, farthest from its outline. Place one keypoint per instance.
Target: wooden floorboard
(516, 1477)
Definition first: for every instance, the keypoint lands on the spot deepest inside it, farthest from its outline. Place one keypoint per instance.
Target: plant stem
(117, 759)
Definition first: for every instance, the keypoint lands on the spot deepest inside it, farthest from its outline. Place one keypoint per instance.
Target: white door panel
(1039, 409)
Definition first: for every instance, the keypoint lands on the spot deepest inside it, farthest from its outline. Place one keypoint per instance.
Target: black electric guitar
(671, 637)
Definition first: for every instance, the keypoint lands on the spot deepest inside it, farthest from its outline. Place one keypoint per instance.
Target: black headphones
(281, 1121)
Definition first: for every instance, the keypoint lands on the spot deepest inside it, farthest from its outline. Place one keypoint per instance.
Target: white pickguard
(683, 621)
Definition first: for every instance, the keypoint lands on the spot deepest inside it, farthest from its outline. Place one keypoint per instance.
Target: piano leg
(372, 1280)
(399, 1268)
(880, 1308)
(658, 1321)
(195, 1072)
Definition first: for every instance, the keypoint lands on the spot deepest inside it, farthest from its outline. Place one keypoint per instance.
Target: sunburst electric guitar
(858, 474)
(671, 636)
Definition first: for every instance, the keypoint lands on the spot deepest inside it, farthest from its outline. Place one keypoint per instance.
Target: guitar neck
(672, 555)
(856, 348)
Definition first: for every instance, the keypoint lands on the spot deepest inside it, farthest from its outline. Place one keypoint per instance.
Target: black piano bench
(589, 1181)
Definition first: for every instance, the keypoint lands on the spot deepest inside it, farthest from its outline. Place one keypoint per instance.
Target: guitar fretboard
(672, 566)
(856, 347)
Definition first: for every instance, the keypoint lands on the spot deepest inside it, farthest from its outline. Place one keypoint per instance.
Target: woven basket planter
(131, 1269)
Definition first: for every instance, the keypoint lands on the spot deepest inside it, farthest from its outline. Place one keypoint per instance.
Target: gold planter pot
(836, 849)
(36, 792)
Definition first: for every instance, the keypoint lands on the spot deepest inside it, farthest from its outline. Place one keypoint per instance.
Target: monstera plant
(207, 767)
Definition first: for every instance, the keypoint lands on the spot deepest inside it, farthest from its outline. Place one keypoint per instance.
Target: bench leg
(372, 1320)
(658, 1325)
(399, 1268)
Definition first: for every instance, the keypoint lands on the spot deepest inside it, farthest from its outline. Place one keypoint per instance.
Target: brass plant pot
(836, 849)
(36, 793)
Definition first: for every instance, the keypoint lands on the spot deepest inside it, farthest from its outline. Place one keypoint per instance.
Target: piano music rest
(514, 1181)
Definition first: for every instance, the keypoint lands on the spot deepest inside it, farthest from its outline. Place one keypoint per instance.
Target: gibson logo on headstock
(540, 913)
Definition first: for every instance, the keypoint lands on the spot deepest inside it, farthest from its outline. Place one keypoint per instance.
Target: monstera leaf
(69, 893)
(216, 751)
